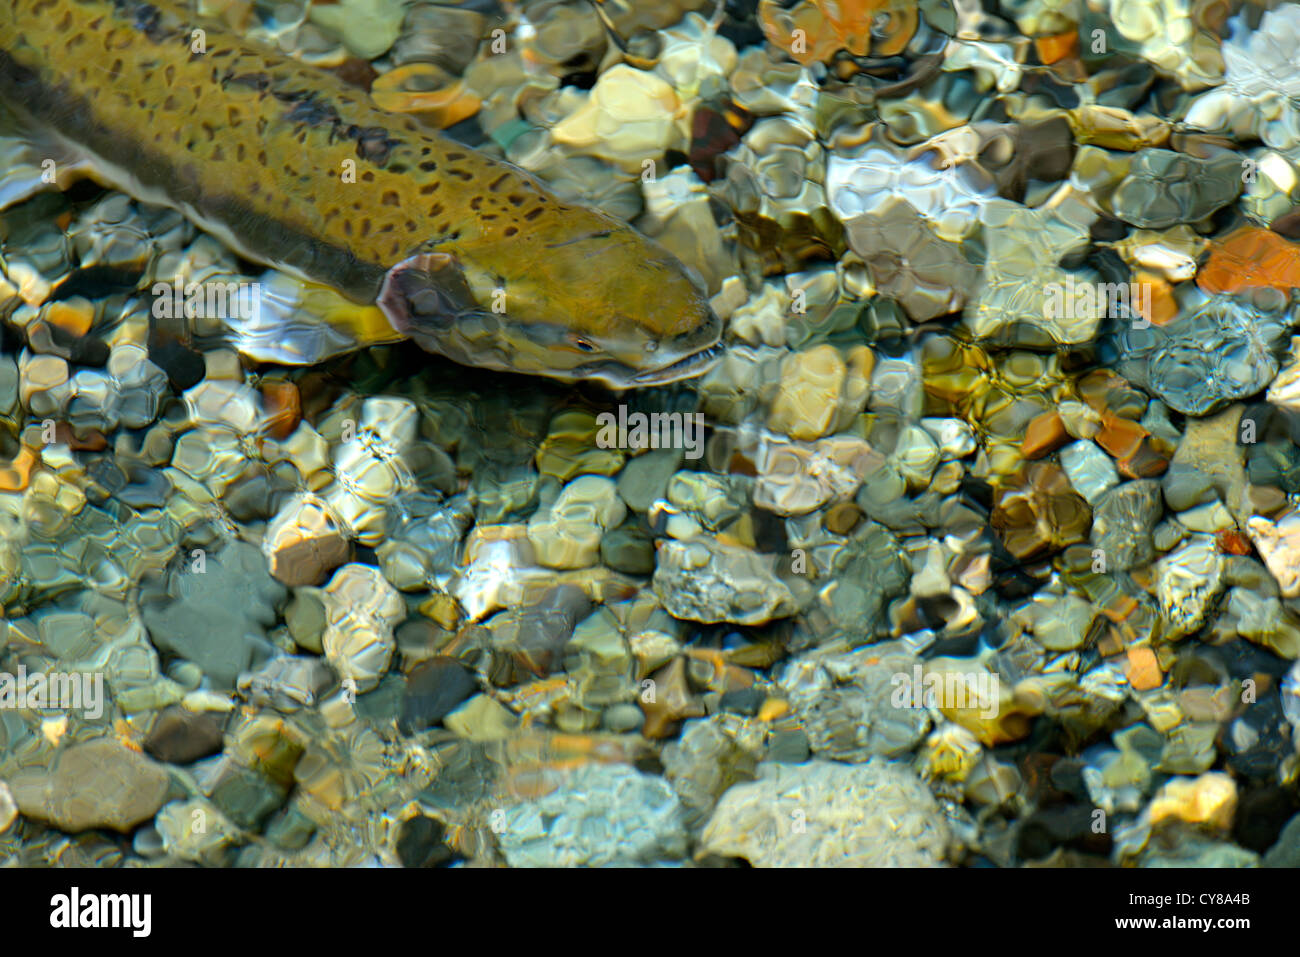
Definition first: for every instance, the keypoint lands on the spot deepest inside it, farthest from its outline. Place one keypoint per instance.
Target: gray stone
(98, 783)
(603, 815)
(216, 618)
(825, 814)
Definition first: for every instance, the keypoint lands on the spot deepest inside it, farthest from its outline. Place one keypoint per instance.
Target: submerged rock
(704, 580)
(848, 702)
(1215, 353)
(823, 814)
(214, 610)
(98, 783)
(1187, 582)
(603, 815)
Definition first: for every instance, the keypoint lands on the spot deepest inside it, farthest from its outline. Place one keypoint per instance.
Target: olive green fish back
(255, 144)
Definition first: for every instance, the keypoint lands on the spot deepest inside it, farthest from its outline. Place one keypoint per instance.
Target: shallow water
(979, 544)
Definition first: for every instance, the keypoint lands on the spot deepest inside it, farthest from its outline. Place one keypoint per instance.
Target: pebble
(1210, 356)
(1279, 545)
(567, 533)
(1164, 188)
(97, 783)
(847, 703)
(629, 115)
(216, 614)
(181, 736)
(421, 843)
(434, 688)
(702, 764)
(811, 383)
(1187, 582)
(195, 831)
(481, 718)
(1090, 470)
(796, 478)
(824, 814)
(1123, 522)
(8, 808)
(710, 582)
(287, 683)
(305, 541)
(1209, 800)
(361, 610)
(601, 816)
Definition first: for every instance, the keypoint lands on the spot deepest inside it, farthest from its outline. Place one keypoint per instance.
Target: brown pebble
(90, 440)
(1288, 224)
(843, 518)
(1145, 462)
(672, 701)
(181, 736)
(283, 407)
(357, 72)
(1045, 433)
(1119, 437)
(1232, 542)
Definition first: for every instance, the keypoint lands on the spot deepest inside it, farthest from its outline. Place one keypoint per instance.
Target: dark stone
(290, 829)
(434, 689)
(420, 843)
(247, 797)
(628, 549)
(1066, 824)
(180, 736)
(1286, 851)
(745, 701)
(1262, 813)
(788, 747)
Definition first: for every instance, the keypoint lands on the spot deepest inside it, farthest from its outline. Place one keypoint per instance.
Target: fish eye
(652, 345)
(583, 344)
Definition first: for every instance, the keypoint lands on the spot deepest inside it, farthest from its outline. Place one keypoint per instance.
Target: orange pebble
(283, 407)
(1143, 670)
(73, 316)
(1045, 433)
(1251, 258)
(1232, 542)
(1055, 49)
(1158, 306)
(1119, 437)
(17, 472)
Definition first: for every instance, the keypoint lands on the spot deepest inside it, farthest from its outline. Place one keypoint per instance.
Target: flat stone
(434, 689)
(824, 814)
(180, 736)
(706, 581)
(98, 783)
(601, 816)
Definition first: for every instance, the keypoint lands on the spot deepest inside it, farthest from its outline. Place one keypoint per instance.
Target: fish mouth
(695, 364)
(618, 375)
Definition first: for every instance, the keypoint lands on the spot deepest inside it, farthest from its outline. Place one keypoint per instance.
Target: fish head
(595, 301)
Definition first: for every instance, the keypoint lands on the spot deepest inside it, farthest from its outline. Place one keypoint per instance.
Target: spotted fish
(290, 167)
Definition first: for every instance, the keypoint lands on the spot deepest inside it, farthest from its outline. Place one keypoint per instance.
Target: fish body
(293, 168)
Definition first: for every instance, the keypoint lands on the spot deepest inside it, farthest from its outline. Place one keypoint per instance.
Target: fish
(290, 167)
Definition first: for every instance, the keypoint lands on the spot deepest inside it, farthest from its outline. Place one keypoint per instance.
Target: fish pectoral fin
(425, 294)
